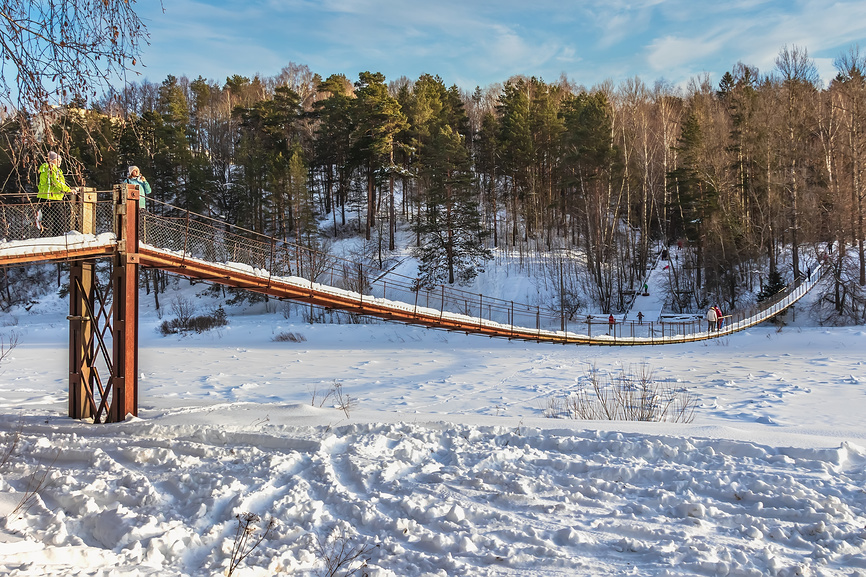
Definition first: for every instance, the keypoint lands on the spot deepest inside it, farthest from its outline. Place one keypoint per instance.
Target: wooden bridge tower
(97, 313)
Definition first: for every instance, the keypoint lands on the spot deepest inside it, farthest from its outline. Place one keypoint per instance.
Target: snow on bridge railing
(197, 236)
(214, 241)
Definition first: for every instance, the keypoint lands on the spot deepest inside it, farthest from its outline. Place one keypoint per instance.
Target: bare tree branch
(55, 50)
(57, 55)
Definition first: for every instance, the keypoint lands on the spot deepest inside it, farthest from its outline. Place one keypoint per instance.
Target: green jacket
(52, 184)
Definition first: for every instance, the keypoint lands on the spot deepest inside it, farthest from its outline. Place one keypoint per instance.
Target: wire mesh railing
(193, 236)
(196, 236)
(25, 217)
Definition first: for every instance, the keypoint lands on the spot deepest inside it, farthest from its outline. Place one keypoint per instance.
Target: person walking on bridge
(712, 319)
(51, 192)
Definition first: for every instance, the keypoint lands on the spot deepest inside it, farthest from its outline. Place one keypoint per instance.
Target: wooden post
(124, 378)
(82, 345)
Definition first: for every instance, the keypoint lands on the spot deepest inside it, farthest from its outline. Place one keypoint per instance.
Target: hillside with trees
(755, 176)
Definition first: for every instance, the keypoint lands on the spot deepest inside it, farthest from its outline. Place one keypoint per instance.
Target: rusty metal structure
(97, 313)
(103, 319)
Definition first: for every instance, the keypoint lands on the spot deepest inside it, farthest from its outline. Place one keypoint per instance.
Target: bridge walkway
(204, 248)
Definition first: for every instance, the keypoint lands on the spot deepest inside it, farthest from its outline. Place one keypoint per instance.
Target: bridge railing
(197, 236)
(200, 237)
(208, 239)
(24, 217)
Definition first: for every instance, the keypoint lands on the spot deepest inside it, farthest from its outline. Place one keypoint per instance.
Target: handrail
(186, 241)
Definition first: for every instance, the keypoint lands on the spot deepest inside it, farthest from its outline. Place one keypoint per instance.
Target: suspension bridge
(103, 316)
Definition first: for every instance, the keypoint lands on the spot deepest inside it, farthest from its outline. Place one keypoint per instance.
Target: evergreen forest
(755, 176)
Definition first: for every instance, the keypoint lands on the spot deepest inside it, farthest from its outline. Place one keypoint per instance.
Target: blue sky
(480, 42)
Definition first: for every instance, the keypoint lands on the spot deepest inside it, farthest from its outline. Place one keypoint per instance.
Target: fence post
(361, 283)
(538, 320)
(442, 303)
(272, 266)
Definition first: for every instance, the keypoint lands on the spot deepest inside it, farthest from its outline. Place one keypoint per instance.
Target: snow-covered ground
(442, 464)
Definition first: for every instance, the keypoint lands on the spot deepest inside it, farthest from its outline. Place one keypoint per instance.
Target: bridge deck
(201, 248)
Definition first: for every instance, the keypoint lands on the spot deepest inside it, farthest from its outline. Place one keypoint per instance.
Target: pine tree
(377, 119)
(775, 284)
(589, 160)
(449, 224)
(515, 148)
(332, 139)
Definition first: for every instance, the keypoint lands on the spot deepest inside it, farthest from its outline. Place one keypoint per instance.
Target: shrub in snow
(342, 401)
(630, 395)
(340, 552)
(198, 324)
(290, 337)
(8, 344)
(247, 538)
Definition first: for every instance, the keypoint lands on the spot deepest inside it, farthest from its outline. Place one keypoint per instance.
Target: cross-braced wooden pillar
(83, 375)
(93, 318)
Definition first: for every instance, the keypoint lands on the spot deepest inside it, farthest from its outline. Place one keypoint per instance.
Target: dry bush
(199, 324)
(182, 308)
(342, 401)
(247, 538)
(341, 553)
(632, 394)
(289, 337)
(7, 345)
(10, 443)
(37, 480)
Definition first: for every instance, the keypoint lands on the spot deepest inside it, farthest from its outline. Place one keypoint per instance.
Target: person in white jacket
(712, 319)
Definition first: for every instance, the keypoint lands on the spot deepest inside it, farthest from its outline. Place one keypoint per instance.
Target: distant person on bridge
(134, 176)
(610, 322)
(639, 318)
(720, 318)
(50, 194)
(712, 319)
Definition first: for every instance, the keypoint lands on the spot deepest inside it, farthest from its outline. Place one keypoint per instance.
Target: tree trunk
(371, 202)
(392, 214)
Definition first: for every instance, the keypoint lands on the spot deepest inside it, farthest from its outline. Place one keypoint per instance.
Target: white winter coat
(711, 316)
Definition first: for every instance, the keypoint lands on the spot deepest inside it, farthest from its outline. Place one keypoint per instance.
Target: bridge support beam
(83, 375)
(93, 318)
(124, 377)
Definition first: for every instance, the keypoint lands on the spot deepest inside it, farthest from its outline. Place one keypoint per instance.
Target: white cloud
(755, 32)
(677, 52)
(568, 54)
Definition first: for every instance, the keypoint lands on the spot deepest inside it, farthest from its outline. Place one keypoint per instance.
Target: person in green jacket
(51, 217)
